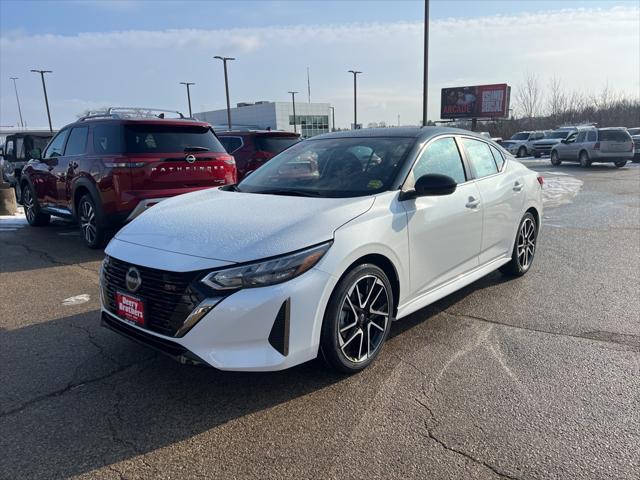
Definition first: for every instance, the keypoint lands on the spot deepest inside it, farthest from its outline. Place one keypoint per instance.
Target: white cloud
(585, 48)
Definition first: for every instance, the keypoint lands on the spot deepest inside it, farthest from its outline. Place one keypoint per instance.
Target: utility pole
(226, 85)
(425, 82)
(46, 99)
(333, 118)
(293, 101)
(355, 100)
(188, 84)
(17, 100)
(308, 87)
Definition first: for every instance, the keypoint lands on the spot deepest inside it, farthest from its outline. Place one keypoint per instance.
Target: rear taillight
(261, 155)
(596, 146)
(540, 180)
(632, 146)
(229, 160)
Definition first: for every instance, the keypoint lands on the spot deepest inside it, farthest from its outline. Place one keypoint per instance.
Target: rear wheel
(35, 216)
(357, 320)
(94, 233)
(620, 164)
(522, 152)
(584, 160)
(555, 159)
(524, 249)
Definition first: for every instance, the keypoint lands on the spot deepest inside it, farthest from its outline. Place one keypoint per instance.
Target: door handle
(472, 203)
(517, 186)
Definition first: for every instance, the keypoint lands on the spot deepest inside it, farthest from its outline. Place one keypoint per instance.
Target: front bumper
(246, 331)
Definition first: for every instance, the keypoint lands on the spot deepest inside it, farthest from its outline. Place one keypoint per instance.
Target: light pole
(293, 101)
(333, 118)
(226, 85)
(46, 100)
(188, 84)
(425, 82)
(17, 99)
(355, 101)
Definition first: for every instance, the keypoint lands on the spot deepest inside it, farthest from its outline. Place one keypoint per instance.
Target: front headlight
(267, 272)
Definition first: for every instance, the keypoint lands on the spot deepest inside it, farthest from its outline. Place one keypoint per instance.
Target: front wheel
(93, 232)
(522, 152)
(584, 160)
(555, 159)
(524, 249)
(35, 216)
(620, 164)
(357, 320)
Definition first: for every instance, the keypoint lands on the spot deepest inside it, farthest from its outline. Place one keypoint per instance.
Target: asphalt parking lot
(537, 377)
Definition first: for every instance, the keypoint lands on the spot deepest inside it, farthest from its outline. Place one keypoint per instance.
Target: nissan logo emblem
(190, 158)
(132, 279)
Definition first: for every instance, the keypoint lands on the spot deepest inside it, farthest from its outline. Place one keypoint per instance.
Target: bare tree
(557, 102)
(528, 97)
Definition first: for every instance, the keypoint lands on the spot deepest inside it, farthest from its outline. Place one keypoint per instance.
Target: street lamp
(425, 81)
(226, 85)
(333, 118)
(46, 100)
(355, 103)
(17, 99)
(188, 84)
(293, 101)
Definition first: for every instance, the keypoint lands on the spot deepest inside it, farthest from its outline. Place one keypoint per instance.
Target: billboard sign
(479, 101)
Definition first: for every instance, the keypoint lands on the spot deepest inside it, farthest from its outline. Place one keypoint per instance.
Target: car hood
(547, 141)
(240, 227)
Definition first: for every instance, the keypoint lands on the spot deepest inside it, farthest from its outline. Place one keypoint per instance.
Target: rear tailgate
(615, 141)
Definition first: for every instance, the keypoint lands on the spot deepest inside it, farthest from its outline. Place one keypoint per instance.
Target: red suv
(107, 168)
(252, 148)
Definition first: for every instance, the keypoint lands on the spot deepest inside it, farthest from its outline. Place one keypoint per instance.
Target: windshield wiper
(196, 149)
(291, 192)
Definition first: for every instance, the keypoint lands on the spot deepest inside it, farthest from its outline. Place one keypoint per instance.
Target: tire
(348, 328)
(522, 152)
(584, 160)
(32, 211)
(555, 159)
(620, 164)
(92, 227)
(526, 237)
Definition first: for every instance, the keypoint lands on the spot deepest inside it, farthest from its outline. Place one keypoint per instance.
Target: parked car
(17, 152)
(604, 145)
(635, 135)
(544, 146)
(252, 148)
(488, 135)
(105, 169)
(321, 248)
(521, 144)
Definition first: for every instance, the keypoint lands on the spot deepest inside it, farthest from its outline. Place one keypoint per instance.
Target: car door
(444, 232)
(578, 145)
(567, 147)
(44, 176)
(501, 194)
(68, 163)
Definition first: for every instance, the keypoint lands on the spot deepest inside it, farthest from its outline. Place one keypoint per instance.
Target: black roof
(423, 133)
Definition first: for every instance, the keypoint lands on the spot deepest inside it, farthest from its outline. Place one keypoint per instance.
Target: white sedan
(321, 248)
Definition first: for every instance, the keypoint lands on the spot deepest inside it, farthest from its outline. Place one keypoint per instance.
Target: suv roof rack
(131, 112)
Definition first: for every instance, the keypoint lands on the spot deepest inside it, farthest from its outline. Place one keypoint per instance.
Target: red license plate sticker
(130, 308)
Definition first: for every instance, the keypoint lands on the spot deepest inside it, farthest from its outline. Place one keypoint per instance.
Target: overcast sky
(136, 53)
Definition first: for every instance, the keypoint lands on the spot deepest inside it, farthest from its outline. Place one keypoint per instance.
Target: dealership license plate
(130, 308)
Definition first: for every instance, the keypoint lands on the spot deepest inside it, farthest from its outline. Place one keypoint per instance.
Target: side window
(591, 136)
(106, 139)
(480, 157)
(54, 149)
(497, 156)
(19, 148)
(572, 138)
(8, 149)
(581, 137)
(441, 157)
(231, 144)
(77, 143)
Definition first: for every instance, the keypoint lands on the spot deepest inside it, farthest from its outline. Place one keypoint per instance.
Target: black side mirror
(563, 141)
(431, 185)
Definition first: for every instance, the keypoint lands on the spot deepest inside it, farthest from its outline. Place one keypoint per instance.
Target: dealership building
(311, 118)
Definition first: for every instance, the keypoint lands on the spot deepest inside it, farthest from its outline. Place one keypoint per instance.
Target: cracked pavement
(532, 378)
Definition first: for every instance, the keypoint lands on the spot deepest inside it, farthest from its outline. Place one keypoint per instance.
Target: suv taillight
(261, 155)
(596, 146)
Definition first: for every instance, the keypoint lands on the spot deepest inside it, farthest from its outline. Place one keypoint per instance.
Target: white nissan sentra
(321, 249)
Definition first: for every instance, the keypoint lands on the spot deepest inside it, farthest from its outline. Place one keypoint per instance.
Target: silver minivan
(605, 145)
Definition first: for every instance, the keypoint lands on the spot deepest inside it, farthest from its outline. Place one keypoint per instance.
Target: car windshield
(334, 167)
(170, 139)
(557, 134)
(520, 136)
(274, 144)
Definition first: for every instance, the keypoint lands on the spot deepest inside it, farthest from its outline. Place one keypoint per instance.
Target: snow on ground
(559, 188)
